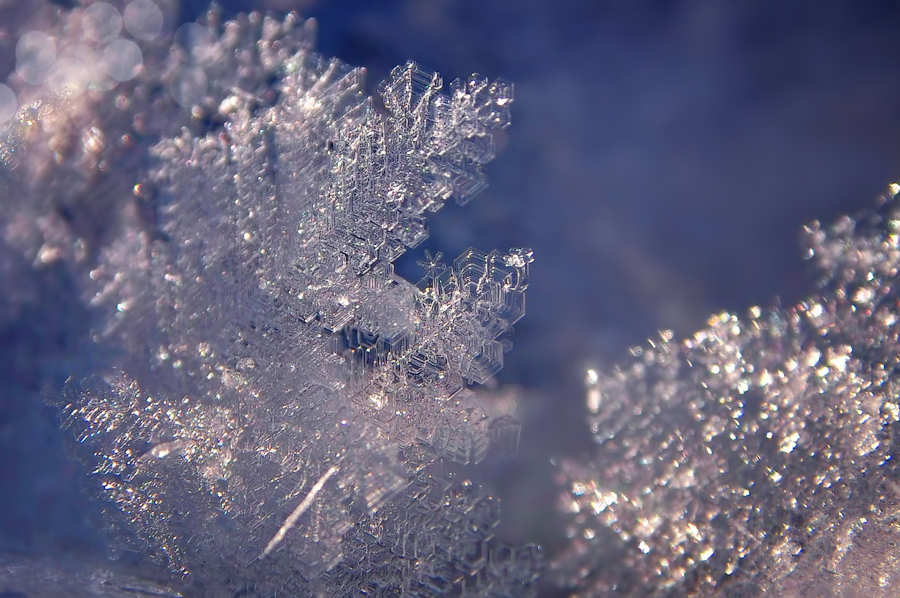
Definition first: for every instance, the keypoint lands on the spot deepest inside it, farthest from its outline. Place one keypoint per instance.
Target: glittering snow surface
(759, 456)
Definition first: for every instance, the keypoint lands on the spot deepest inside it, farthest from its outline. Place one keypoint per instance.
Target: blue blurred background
(663, 157)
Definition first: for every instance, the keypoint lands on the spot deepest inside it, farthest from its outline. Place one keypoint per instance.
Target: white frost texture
(198, 234)
(276, 412)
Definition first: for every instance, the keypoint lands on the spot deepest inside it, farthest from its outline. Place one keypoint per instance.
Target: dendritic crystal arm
(280, 403)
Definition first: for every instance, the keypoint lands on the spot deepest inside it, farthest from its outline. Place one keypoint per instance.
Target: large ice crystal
(277, 410)
(758, 457)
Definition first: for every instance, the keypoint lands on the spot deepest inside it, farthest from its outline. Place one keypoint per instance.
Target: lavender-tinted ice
(273, 408)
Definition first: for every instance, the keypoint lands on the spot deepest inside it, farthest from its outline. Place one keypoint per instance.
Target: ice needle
(295, 515)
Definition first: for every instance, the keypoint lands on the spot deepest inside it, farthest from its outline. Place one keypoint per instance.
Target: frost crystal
(282, 406)
(758, 457)
(275, 412)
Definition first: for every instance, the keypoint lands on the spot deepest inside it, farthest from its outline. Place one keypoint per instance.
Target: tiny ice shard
(291, 521)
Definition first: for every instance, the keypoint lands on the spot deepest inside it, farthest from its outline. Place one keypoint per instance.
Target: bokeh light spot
(198, 41)
(123, 59)
(8, 104)
(35, 54)
(101, 22)
(188, 86)
(143, 19)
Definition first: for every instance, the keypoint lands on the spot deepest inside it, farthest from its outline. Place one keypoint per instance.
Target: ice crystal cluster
(758, 457)
(279, 409)
(268, 409)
